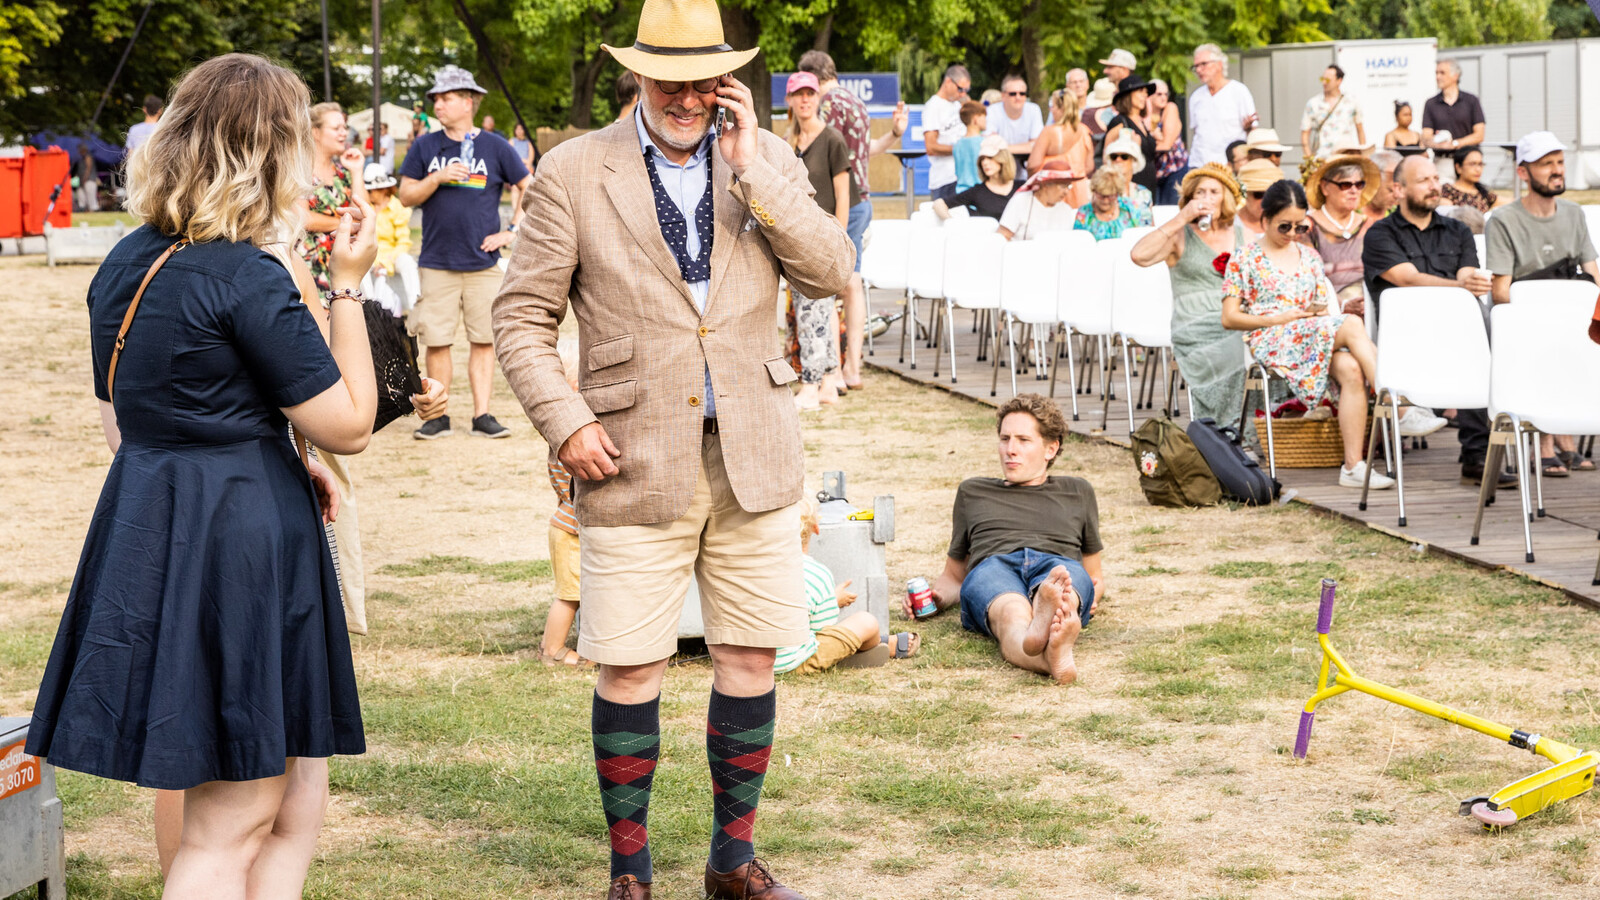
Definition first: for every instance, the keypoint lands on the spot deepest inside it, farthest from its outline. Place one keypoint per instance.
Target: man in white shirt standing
(1019, 120)
(941, 128)
(386, 151)
(1221, 110)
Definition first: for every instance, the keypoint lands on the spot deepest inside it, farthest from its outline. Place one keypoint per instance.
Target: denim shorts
(860, 218)
(1017, 572)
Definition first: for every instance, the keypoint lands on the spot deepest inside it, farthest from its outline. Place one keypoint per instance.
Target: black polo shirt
(1441, 250)
(1458, 118)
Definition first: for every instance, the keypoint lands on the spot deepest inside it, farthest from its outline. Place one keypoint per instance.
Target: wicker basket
(1299, 443)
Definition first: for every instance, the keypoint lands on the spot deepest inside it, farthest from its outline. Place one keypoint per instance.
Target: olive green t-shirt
(1521, 243)
(993, 517)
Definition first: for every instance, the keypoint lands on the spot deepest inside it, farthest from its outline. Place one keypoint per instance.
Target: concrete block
(32, 838)
(83, 244)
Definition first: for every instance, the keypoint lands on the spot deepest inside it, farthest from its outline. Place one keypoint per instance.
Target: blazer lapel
(729, 216)
(634, 199)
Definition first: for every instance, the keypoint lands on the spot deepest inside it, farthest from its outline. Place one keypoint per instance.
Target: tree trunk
(585, 75)
(1033, 53)
(741, 30)
(824, 34)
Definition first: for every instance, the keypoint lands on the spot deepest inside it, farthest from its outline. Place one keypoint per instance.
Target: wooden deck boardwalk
(1439, 508)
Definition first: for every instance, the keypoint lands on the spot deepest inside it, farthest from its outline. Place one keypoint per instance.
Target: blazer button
(704, 331)
(694, 401)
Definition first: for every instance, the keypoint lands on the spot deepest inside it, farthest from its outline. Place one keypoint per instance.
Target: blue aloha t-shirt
(458, 216)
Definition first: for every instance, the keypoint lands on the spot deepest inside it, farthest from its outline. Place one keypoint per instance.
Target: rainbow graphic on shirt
(478, 181)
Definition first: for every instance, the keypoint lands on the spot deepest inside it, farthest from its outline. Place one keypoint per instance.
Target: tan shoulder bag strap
(127, 317)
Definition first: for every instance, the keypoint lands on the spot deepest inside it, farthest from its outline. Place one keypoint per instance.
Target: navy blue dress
(203, 639)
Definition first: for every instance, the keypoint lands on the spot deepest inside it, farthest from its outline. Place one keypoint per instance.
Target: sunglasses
(1016, 93)
(1199, 65)
(1302, 228)
(1256, 195)
(963, 90)
(1349, 185)
(1120, 157)
(703, 86)
(1106, 196)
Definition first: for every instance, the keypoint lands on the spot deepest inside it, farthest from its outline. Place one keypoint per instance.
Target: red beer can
(922, 603)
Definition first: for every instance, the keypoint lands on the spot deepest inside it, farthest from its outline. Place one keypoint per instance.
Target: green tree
(26, 30)
(1572, 19)
(1460, 23)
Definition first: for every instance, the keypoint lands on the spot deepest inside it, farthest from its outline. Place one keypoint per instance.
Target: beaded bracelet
(341, 294)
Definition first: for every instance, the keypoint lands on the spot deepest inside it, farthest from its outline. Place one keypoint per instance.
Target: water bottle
(466, 154)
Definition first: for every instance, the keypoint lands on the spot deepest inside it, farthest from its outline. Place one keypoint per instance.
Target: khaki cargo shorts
(450, 297)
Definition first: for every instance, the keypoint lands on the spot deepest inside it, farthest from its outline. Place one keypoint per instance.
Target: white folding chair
(924, 279)
(1565, 291)
(1164, 214)
(1083, 307)
(1028, 290)
(1141, 315)
(971, 281)
(1545, 375)
(1434, 354)
(883, 263)
(1136, 232)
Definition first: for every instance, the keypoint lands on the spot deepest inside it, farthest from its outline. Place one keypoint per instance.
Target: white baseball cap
(1536, 146)
(1121, 57)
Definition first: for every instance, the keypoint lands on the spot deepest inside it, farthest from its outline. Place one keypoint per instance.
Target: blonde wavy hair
(231, 160)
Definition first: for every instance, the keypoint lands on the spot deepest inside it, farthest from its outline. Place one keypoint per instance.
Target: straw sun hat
(1369, 174)
(680, 40)
(1219, 173)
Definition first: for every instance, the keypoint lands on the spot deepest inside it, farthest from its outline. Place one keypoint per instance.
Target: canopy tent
(398, 118)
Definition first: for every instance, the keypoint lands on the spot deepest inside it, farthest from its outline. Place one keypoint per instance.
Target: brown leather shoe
(627, 887)
(750, 881)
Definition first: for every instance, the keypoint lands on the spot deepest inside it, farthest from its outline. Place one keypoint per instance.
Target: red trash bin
(42, 170)
(10, 197)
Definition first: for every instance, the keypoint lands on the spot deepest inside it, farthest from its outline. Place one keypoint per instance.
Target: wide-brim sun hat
(1054, 170)
(1258, 175)
(1132, 84)
(1369, 174)
(1264, 139)
(454, 78)
(680, 40)
(1217, 172)
(1102, 94)
(376, 179)
(1127, 145)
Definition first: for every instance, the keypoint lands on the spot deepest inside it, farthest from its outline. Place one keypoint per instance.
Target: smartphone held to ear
(722, 120)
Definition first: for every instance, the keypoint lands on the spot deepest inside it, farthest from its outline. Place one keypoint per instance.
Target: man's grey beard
(657, 120)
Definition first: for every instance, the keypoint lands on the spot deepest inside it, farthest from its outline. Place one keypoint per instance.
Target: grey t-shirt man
(1520, 243)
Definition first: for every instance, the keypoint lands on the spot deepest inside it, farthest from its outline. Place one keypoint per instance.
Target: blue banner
(874, 88)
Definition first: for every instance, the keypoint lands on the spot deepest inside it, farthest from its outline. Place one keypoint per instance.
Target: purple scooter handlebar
(1325, 614)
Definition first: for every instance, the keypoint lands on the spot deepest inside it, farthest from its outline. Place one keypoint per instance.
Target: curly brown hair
(1052, 424)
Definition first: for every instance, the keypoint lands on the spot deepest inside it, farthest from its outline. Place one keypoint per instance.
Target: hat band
(642, 47)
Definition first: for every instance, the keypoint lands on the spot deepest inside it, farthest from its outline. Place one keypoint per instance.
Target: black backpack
(1171, 471)
(1242, 479)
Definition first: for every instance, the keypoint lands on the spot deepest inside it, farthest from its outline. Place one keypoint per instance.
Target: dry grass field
(1164, 772)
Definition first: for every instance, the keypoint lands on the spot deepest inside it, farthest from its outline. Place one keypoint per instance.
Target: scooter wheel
(1493, 818)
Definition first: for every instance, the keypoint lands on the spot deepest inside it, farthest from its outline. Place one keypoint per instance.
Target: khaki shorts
(834, 644)
(564, 563)
(747, 566)
(449, 297)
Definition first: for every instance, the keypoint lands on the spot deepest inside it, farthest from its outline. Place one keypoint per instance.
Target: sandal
(903, 642)
(565, 657)
(1575, 461)
(1552, 467)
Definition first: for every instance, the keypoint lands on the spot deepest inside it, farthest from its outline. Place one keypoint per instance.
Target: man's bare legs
(480, 372)
(1011, 620)
(855, 317)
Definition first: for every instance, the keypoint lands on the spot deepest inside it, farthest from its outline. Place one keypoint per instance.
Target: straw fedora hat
(680, 40)
(1369, 174)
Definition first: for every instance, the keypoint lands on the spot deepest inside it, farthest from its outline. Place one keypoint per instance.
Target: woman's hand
(322, 481)
(353, 250)
(1288, 316)
(431, 403)
(1195, 209)
(354, 160)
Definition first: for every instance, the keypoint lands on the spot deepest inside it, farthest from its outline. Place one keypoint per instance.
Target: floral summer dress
(325, 199)
(1300, 350)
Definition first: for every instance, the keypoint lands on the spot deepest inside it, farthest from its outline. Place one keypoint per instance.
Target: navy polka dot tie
(674, 228)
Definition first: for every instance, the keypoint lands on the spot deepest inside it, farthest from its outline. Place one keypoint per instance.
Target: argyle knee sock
(627, 743)
(738, 744)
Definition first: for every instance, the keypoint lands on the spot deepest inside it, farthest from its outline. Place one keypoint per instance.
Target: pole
(117, 73)
(376, 131)
(327, 65)
(486, 52)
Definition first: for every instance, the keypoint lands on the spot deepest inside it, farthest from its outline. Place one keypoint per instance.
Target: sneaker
(1355, 476)
(489, 427)
(1416, 423)
(433, 428)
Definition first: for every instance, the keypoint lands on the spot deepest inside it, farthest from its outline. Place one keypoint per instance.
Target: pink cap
(800, 81)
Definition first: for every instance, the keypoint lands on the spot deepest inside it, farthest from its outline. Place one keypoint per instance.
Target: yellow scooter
(1572, 774)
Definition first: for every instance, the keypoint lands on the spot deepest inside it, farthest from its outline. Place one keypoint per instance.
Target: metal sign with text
(18, 770)
(874, 88)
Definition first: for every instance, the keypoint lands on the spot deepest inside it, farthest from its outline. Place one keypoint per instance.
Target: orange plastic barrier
(10, 196)
(42, 170)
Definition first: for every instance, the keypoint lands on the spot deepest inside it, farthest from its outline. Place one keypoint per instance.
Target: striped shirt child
(822, 601)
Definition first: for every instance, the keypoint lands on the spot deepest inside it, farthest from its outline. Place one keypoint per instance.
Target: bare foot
(1064, 630)
(1046, 600)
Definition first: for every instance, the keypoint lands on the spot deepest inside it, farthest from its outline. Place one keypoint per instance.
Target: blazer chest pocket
(604, 398)
(781, 372)
(610, 352)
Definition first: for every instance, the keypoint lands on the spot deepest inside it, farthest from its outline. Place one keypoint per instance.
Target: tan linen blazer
(590, 238)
